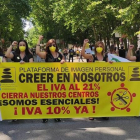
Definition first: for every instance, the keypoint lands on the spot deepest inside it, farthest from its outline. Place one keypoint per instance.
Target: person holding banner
(99, 56)
(129, 55)
(99, 52)
(51, 54)
(21, 54)
(2, 56)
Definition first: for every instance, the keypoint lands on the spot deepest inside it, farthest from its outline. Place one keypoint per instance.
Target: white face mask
(92, 48)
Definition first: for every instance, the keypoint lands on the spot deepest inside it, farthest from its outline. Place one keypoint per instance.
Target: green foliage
(11, 18)
(32, 37)
(70, 20)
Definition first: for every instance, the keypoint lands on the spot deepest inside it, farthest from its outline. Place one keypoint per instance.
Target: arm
(129, 54)
(8, 54)
(63, 59)
(87, 56)
(38, 52)
(31, 59)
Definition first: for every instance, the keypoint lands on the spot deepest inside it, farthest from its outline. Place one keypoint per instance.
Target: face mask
(99, 49)
(22, 48)
(121, 47)
(52, 48)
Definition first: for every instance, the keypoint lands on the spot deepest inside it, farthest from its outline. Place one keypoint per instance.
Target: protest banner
(54, 90)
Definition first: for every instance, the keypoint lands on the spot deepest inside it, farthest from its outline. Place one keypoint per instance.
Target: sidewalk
(74, 60)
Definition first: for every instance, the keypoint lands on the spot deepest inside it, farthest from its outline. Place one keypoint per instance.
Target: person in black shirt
(21, 54)
(99, 52)
(2, 55)
(50, 55)
(129, 55)
(99, 56)
(122, 52)
(71, 53)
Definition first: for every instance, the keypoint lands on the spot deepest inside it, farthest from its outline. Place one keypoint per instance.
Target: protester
(2, 55)
(65, 53)
(21, 54)
(129, 55)
(77, 53)
(50, 55)
(99, 56)
(71, 53)
(122, 52)
(113, 50)
(81, 57)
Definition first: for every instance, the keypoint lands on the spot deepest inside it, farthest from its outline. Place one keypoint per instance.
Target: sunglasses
(52, 45)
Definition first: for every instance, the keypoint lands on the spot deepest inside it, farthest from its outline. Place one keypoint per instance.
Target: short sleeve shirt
(17, 57)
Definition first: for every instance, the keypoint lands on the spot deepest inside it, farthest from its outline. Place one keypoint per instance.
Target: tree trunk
(94, 31)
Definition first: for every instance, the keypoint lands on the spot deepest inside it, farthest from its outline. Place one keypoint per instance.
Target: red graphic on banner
(121, 98)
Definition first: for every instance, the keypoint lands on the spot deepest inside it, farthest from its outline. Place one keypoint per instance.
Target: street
(75, 59)
(116, 128)
(123, 128)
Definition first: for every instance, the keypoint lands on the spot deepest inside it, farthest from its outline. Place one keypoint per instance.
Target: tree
(11, 18)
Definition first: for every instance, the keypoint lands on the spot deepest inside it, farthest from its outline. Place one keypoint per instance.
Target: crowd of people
(17, 54)
(23, 54)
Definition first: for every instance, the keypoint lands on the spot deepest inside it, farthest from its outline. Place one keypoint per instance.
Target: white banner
(115, 58)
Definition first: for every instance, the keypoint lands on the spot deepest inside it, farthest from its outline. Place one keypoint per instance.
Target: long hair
(97, 44)
(49, 43)
(112, 48)
(26, 50)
